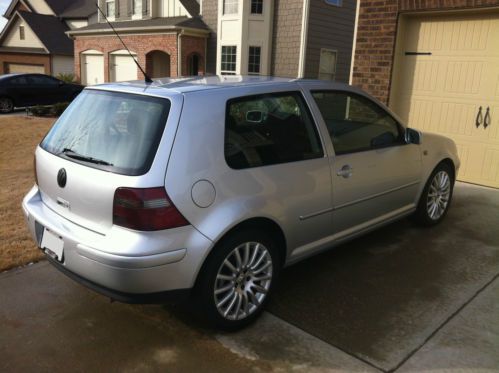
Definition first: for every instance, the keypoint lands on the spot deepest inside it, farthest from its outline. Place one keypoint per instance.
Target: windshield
(117, 132)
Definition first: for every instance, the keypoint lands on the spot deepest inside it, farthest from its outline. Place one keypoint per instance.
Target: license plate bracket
(52, 244)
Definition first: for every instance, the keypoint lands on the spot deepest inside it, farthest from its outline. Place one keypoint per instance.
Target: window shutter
(130, 7)
(117, 9)
(145, 7)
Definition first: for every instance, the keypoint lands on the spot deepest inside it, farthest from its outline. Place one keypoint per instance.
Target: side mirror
(413, 136)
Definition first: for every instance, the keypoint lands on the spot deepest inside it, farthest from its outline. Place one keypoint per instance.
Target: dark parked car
(21, 90)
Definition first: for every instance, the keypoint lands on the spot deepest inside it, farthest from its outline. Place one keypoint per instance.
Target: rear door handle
(346, 171)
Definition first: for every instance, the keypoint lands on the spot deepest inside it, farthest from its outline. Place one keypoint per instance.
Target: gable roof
(192, 7)
(72, 8)
(12, 6)
(51, 31)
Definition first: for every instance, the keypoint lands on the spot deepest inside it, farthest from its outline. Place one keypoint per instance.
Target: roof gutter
(137, 29)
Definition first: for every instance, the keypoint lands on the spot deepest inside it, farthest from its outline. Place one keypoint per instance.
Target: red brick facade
(376, 36)
(142, 45)
(26, 59)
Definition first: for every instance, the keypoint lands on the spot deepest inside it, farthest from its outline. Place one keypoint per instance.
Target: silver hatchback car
(210, 186)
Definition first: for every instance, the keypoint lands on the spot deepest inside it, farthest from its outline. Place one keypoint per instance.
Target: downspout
(354, 43)
(303, 39)
(179, 53)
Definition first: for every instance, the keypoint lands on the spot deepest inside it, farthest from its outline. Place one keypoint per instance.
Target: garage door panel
(123, 68)
(92, 66)
(19, 68)
(442, 91)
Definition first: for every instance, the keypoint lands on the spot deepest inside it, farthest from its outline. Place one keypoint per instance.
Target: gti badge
(62, 178)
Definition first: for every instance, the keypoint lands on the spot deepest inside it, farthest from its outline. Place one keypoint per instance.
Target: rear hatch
(105, 140)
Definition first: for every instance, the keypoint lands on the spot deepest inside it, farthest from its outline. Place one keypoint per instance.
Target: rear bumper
(128, 266)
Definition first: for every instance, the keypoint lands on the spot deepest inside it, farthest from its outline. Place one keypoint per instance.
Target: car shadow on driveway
(381, 296)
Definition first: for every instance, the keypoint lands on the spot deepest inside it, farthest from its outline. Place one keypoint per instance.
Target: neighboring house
(34, 39)
(167, 37)
(436, 64)
(290, 38)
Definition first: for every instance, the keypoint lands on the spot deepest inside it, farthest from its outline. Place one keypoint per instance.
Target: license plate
(52, 244)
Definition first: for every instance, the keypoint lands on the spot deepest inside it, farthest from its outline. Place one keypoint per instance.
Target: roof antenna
(147, 78)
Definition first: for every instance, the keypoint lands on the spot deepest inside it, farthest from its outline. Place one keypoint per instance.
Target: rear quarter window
(269, 129)
(121, 132)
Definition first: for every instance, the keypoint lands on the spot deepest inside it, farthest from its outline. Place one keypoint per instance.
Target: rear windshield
(116, 132)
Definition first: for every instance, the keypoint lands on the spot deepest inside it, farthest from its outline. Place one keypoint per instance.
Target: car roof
(167, 86)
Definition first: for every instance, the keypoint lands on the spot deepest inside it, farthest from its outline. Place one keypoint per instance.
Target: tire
(6, 105)
(229, 296)
(436, 197)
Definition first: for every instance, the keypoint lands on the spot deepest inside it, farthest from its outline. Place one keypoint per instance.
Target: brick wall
(191, 45)
(286, 37)
(376, 36)
(24, 58)
(142, 45)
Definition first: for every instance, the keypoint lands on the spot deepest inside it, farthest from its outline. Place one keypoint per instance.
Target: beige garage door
(19, 68)
(446, 80)
(122, 67)
(92, 67)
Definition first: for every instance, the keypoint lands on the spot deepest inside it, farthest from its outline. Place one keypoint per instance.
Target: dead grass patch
(19, 137)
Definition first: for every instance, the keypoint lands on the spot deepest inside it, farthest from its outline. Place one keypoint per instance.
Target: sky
(4, 4)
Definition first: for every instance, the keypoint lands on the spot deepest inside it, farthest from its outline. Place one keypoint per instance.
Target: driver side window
(355, 123)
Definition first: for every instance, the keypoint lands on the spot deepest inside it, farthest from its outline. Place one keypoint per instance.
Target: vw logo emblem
(62, 178)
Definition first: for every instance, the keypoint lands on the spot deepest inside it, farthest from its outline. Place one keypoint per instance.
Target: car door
(45, 90)
(20, 91)
(375, 173)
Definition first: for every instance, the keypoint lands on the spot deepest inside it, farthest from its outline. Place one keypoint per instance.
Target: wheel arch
(256, 223)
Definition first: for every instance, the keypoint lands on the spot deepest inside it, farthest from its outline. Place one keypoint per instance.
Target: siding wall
(210, 17)
(286, 37)
(330, 27)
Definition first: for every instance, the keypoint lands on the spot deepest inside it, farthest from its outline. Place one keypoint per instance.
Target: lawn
(19, 136)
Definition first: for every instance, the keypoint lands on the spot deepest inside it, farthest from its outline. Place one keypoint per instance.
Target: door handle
(486, 120)
(479, 118)
(346, 171)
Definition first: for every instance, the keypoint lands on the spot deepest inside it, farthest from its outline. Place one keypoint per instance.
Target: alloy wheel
(438, 195)
(243, 281)
(6, 105)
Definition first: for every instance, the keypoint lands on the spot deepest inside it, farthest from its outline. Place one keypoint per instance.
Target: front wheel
(238, 278)
(436, 197)
(6, 105)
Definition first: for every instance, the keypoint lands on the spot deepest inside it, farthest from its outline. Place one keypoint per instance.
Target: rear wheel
(238, 278)
(436, 197)
(6, 105)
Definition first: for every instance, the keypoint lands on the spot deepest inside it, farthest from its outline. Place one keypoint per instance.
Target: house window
(229, 57)
(110, 8)
(22, 33)
(137, 7)
(256, 6)
(230, 6)
(327, 64)
(254, 60)
(334, 2)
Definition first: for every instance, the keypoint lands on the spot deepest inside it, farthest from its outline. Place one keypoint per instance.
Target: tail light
(145, 210)
(34, 170)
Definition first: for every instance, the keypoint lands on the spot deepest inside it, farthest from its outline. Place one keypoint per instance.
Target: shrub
(66, 77)
(48, 111)
(59, 108)
(39, 110)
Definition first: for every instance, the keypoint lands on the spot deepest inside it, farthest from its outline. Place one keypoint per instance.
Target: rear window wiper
(74, 155)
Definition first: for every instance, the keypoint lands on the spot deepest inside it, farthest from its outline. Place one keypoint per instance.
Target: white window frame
(110, 17)
(260, 62)
(338, 3)
(228, 7)
(22, 32)
(251, 7)
(228, 72)
(138, 15)
(332, 73)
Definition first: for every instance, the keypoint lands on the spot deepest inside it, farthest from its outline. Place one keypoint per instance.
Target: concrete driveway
(402, 298)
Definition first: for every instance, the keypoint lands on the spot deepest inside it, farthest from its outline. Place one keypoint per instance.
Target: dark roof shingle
(73, 8)
(192, 6)
(51, 31)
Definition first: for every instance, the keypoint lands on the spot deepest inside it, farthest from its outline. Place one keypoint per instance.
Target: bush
(48, 111)
(67, 78)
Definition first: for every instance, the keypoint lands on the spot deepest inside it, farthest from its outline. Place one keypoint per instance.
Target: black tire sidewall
(11, 102)
(422, 211)
(206, 283)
